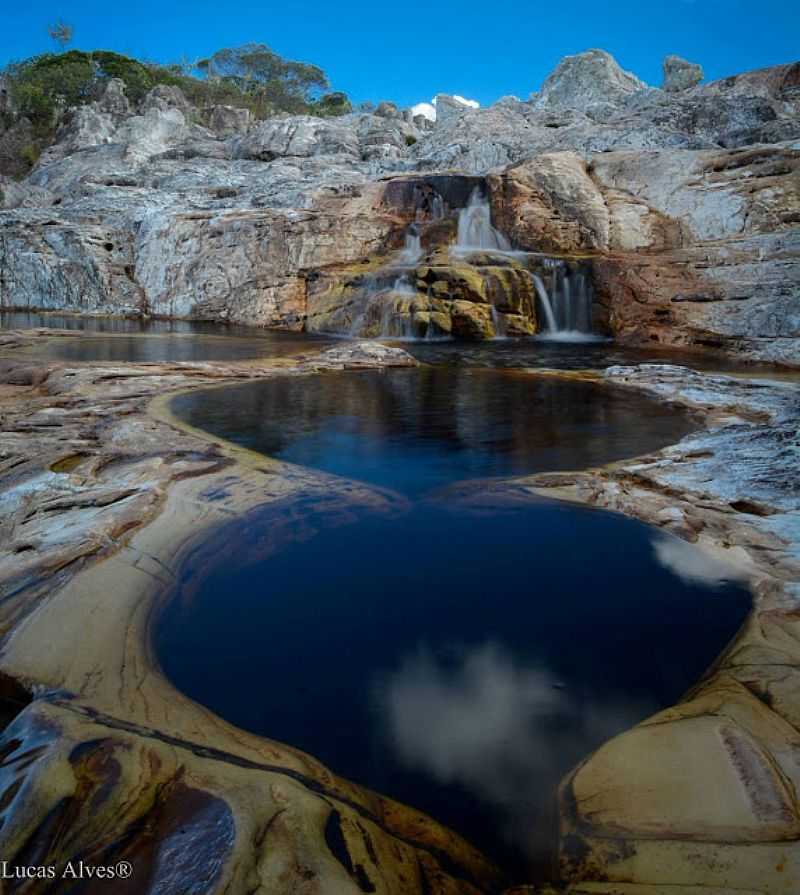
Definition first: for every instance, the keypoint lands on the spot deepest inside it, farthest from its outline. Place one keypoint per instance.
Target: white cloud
(426, 109)
(472, 103)
(429, 109)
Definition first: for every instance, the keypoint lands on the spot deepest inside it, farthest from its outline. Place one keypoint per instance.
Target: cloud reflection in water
(693, 565)
(497, 728)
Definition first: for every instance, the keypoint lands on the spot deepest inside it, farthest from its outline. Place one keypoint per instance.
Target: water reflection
(413, 430)
(168, 348)
(692, 565)
(582, 355)
(496, 727)
(75, 323)
(458, 657)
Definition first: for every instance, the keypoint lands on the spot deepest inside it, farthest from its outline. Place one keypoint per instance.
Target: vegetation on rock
(42, 89)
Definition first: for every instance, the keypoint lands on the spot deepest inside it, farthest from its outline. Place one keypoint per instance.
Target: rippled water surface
(454, 648)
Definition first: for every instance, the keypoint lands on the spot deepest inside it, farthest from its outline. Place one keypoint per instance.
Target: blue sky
(408, 51)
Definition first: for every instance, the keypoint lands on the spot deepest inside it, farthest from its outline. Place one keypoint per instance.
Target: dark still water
(79, 323)
(592, 354)
(166, 348)
(458, 651)
(124, 340)
(415, 429)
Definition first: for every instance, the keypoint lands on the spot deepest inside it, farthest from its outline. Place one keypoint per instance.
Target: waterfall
(544, 298)
(568, 306)
(475, 230)
(499, 323)
(412, 249)
(438, 210)
(403, 285)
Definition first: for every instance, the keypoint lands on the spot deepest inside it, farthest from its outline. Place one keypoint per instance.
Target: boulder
(226, 121)
(84, 127)
(114, 102)
(680, 74)
(552, 203)
(388, 110)
(300, 136)
(449, 107)
(585, 80)
(164, 97)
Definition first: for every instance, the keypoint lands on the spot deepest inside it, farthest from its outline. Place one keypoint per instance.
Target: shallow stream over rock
(455, 649)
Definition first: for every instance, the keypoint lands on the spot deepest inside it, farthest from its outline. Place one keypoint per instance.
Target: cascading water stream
(389, 305)
(475, 230)
(544, 298)
(567, 307)
(412, 249)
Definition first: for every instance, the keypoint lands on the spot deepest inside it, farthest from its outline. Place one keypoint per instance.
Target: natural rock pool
(120, 340)
(116, 339)
(458, 649)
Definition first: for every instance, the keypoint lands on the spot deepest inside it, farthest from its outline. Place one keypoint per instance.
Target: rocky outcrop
(590, 105)
(690, 248)
(449, 107)
(589, 82)
(680, 74)
(149, 211)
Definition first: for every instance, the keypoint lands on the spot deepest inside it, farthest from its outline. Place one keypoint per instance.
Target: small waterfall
(412, 249)
(568, 306)
(499, 324)
(475, 230)
(544, 298)
(403, 285)
(438, 210)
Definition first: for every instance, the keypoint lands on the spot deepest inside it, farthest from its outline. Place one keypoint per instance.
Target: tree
(274, 82)
(60, 33)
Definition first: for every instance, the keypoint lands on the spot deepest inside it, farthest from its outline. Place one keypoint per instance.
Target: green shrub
(138, 78)
(41, 86)
(332, 104)
(251, 77)
(410, 139)
(30, 154)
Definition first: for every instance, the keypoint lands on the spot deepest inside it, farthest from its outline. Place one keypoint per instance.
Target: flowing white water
(412, 250)
(475, 230)
(544, 298)
(568, 306)
(438, 210)
(499, 323)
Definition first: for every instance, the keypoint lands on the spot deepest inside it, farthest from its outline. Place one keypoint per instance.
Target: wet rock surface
(100, 501)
